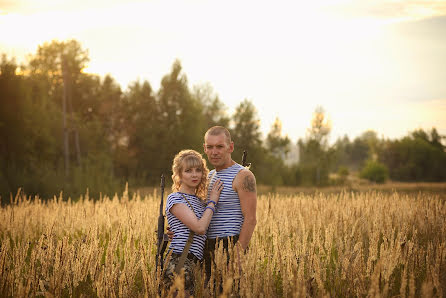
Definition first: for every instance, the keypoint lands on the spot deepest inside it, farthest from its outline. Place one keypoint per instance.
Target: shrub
(375, 171)
(343, 174)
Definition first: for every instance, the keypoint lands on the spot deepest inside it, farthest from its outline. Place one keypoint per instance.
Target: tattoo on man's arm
(249, 184)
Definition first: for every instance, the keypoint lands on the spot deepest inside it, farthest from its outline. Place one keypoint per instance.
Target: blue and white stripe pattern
(228, 218)
(180, 230)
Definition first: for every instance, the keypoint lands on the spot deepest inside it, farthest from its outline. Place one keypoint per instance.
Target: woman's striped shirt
(228, 217)
(180, 230)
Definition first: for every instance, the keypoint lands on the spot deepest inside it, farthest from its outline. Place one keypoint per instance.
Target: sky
(371, 64)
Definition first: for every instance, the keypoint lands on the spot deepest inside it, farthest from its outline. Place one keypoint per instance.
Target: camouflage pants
(210, 247)
(209, 252)
(190, 267)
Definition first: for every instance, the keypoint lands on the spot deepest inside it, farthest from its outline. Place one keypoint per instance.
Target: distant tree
(359, 153)
(14, 148)
(59, 65)
(214, 110)
(437, 140)
(354, 154)
(29, 151)
(434, 138)
(316, 158)
(50, 60)
(246, 131)
(342, 149)
(181, 123)
(370, 137)
(277, 147)
(414, 158)
(55, 75)
(320, 127)
(277, 144)
(136, 154)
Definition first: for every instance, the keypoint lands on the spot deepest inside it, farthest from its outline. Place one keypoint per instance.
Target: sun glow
(286, 56)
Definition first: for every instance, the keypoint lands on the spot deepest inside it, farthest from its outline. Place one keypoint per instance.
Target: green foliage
(354, 154)
(246, 130)
(214, 110)
(316, 157)
(375, 172)
(181, 124)
(114, 137)
(32, 130)
(343, 173)
(277, 144)
(416, 157)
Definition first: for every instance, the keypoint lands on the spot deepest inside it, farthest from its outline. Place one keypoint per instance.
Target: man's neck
(225, 166)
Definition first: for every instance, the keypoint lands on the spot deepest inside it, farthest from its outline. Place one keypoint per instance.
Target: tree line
(62, 129)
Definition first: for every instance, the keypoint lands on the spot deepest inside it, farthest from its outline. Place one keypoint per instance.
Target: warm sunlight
(287, 57)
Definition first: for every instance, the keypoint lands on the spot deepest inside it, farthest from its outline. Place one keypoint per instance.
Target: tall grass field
(345, 244)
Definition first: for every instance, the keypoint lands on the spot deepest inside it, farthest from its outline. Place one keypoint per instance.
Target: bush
(375, 172)
(342, 175)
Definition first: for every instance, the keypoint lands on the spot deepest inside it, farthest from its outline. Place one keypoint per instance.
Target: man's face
(218, 150)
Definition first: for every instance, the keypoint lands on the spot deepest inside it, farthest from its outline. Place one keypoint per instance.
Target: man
(235, 217)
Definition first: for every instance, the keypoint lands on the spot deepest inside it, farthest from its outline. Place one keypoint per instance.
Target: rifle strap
(186, 248)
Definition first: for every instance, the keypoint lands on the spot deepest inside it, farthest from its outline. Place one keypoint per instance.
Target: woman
(186, 211)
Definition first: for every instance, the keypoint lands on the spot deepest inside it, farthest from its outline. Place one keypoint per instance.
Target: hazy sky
(371, 64)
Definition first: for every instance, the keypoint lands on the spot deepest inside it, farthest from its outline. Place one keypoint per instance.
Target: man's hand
(239, 253)
(169, 233)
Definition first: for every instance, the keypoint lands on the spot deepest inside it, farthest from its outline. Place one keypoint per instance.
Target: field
(337, 244)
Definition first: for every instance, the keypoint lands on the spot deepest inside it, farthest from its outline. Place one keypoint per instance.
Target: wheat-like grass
(339, 245)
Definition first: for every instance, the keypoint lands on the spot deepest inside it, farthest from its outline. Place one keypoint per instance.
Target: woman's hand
(169, 233)
(216, 190)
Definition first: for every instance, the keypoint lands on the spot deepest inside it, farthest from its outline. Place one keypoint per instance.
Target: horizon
(371, 65)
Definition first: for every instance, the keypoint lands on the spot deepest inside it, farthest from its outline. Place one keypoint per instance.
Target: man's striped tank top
(228, 218)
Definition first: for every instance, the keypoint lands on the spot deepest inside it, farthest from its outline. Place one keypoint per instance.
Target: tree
(59, 66)
(277, 147)
(434, 138)
(246, 131)
(370, 137)
(52, 80)
(137, 153)
(214, 111)
(14, 147)
(315, 155)
(276, 144)
(414, 158)
(359, 153)
(181, 123)
(49, 62)
(320, 127)
(342, 148)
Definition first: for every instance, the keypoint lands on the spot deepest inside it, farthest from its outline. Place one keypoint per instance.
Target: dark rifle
(244, 163)
(162, 237)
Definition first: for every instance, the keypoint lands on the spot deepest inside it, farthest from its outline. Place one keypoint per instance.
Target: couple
(225, 212)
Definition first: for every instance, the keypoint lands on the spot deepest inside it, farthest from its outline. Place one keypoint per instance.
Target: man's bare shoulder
(245, 181)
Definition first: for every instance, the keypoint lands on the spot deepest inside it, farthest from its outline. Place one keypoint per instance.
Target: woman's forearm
(204, 221)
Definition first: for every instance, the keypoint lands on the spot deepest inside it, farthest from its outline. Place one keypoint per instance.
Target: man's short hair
(217, 130)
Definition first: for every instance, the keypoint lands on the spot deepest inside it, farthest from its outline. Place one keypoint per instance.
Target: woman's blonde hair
(186, 159)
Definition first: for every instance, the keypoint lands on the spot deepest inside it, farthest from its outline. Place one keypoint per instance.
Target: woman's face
(191, 177)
